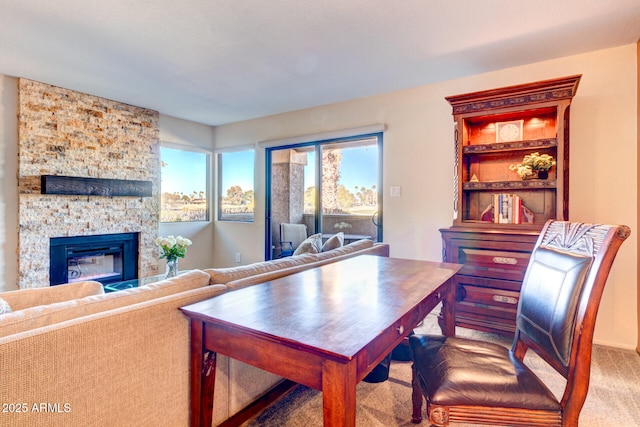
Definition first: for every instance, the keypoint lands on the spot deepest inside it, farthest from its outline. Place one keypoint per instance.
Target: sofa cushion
(334, 242)
(4, 307)
(228, 274)
(309, 261)
(311, 245)
(44, 315)
(31, 297)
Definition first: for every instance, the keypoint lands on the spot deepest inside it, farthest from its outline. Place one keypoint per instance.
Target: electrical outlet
(238, 258)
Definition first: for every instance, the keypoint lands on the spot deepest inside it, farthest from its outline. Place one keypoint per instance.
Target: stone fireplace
(63, 132)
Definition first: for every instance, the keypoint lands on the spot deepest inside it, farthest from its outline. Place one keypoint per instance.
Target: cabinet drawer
(488, 297)
(492, 259)
(493, 324)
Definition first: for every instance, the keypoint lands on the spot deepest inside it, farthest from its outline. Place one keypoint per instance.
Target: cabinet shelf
(509, 185)
(498, 147)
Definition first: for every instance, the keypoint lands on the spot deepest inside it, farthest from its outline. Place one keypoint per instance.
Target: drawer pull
(504, 260)
(506, 300)
(400, 329)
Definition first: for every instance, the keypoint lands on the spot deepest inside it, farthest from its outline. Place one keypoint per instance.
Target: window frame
(220, 193)
(207, 191)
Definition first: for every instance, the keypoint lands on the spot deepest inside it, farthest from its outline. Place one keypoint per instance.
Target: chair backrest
(561, 293)
(294, 233)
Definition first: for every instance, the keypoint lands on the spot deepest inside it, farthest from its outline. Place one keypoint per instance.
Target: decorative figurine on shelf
(534, 165)
(172, 248)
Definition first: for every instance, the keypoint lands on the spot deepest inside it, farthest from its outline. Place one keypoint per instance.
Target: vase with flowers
(172, 248)
(534, 165)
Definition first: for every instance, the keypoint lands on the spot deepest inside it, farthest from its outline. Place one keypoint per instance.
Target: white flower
(173, 247)
(342, 225)
(183, 241)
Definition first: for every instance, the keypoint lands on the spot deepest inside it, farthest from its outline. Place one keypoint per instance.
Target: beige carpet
(613, 400)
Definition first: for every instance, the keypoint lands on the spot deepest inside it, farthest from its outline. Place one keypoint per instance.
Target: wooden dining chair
(465, 380)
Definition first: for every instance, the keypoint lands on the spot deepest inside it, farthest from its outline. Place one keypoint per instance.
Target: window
(184, 188)
(235, 186)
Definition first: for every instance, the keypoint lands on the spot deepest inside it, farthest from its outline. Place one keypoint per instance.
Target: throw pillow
(311, 245)
(334, 242)
(4, 307)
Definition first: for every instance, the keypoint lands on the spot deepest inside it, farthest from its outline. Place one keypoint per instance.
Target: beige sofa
(72, 355)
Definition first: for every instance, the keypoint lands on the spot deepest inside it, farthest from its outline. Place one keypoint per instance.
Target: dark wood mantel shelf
(80, 186)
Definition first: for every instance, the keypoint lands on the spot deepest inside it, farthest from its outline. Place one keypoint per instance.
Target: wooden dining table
(326, 327)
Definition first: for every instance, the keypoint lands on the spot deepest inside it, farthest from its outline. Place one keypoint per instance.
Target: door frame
(268, 237)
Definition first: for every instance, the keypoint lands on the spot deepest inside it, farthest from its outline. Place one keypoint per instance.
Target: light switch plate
(395, 191)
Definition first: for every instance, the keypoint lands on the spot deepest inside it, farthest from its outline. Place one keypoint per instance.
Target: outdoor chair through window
(476, 382)
(291, 235)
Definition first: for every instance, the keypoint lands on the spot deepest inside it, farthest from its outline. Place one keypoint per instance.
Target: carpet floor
(613, 399)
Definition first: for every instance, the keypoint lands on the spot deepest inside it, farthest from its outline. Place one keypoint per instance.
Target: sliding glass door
(329, 186)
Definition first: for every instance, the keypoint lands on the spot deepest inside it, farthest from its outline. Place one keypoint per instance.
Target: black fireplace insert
(106, 258)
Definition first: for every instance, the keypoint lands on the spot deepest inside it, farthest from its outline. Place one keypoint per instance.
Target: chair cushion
(311, 245)
(333, 242)
(459, 371)
(552, 275)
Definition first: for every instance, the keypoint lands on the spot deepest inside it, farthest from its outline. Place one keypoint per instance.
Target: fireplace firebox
(106, 258)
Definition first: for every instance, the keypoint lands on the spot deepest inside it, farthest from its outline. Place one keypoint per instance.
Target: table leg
(208, 384)
(448, 310)
(339, 394)
(202, 368)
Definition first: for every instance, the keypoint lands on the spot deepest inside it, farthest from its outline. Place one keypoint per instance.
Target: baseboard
(616, 345)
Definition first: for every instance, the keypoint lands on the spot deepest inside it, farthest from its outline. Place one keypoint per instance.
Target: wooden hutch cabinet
(497, 213)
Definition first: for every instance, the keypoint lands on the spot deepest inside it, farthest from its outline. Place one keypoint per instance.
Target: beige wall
(177, 133)
(418, 157)
(8, 183)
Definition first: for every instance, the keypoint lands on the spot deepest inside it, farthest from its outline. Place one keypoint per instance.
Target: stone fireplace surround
(63, 132)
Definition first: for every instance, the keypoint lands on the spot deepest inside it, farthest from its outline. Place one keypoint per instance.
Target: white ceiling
(221, 61)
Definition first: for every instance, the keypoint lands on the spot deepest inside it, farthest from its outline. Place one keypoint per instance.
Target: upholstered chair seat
(462, 372)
